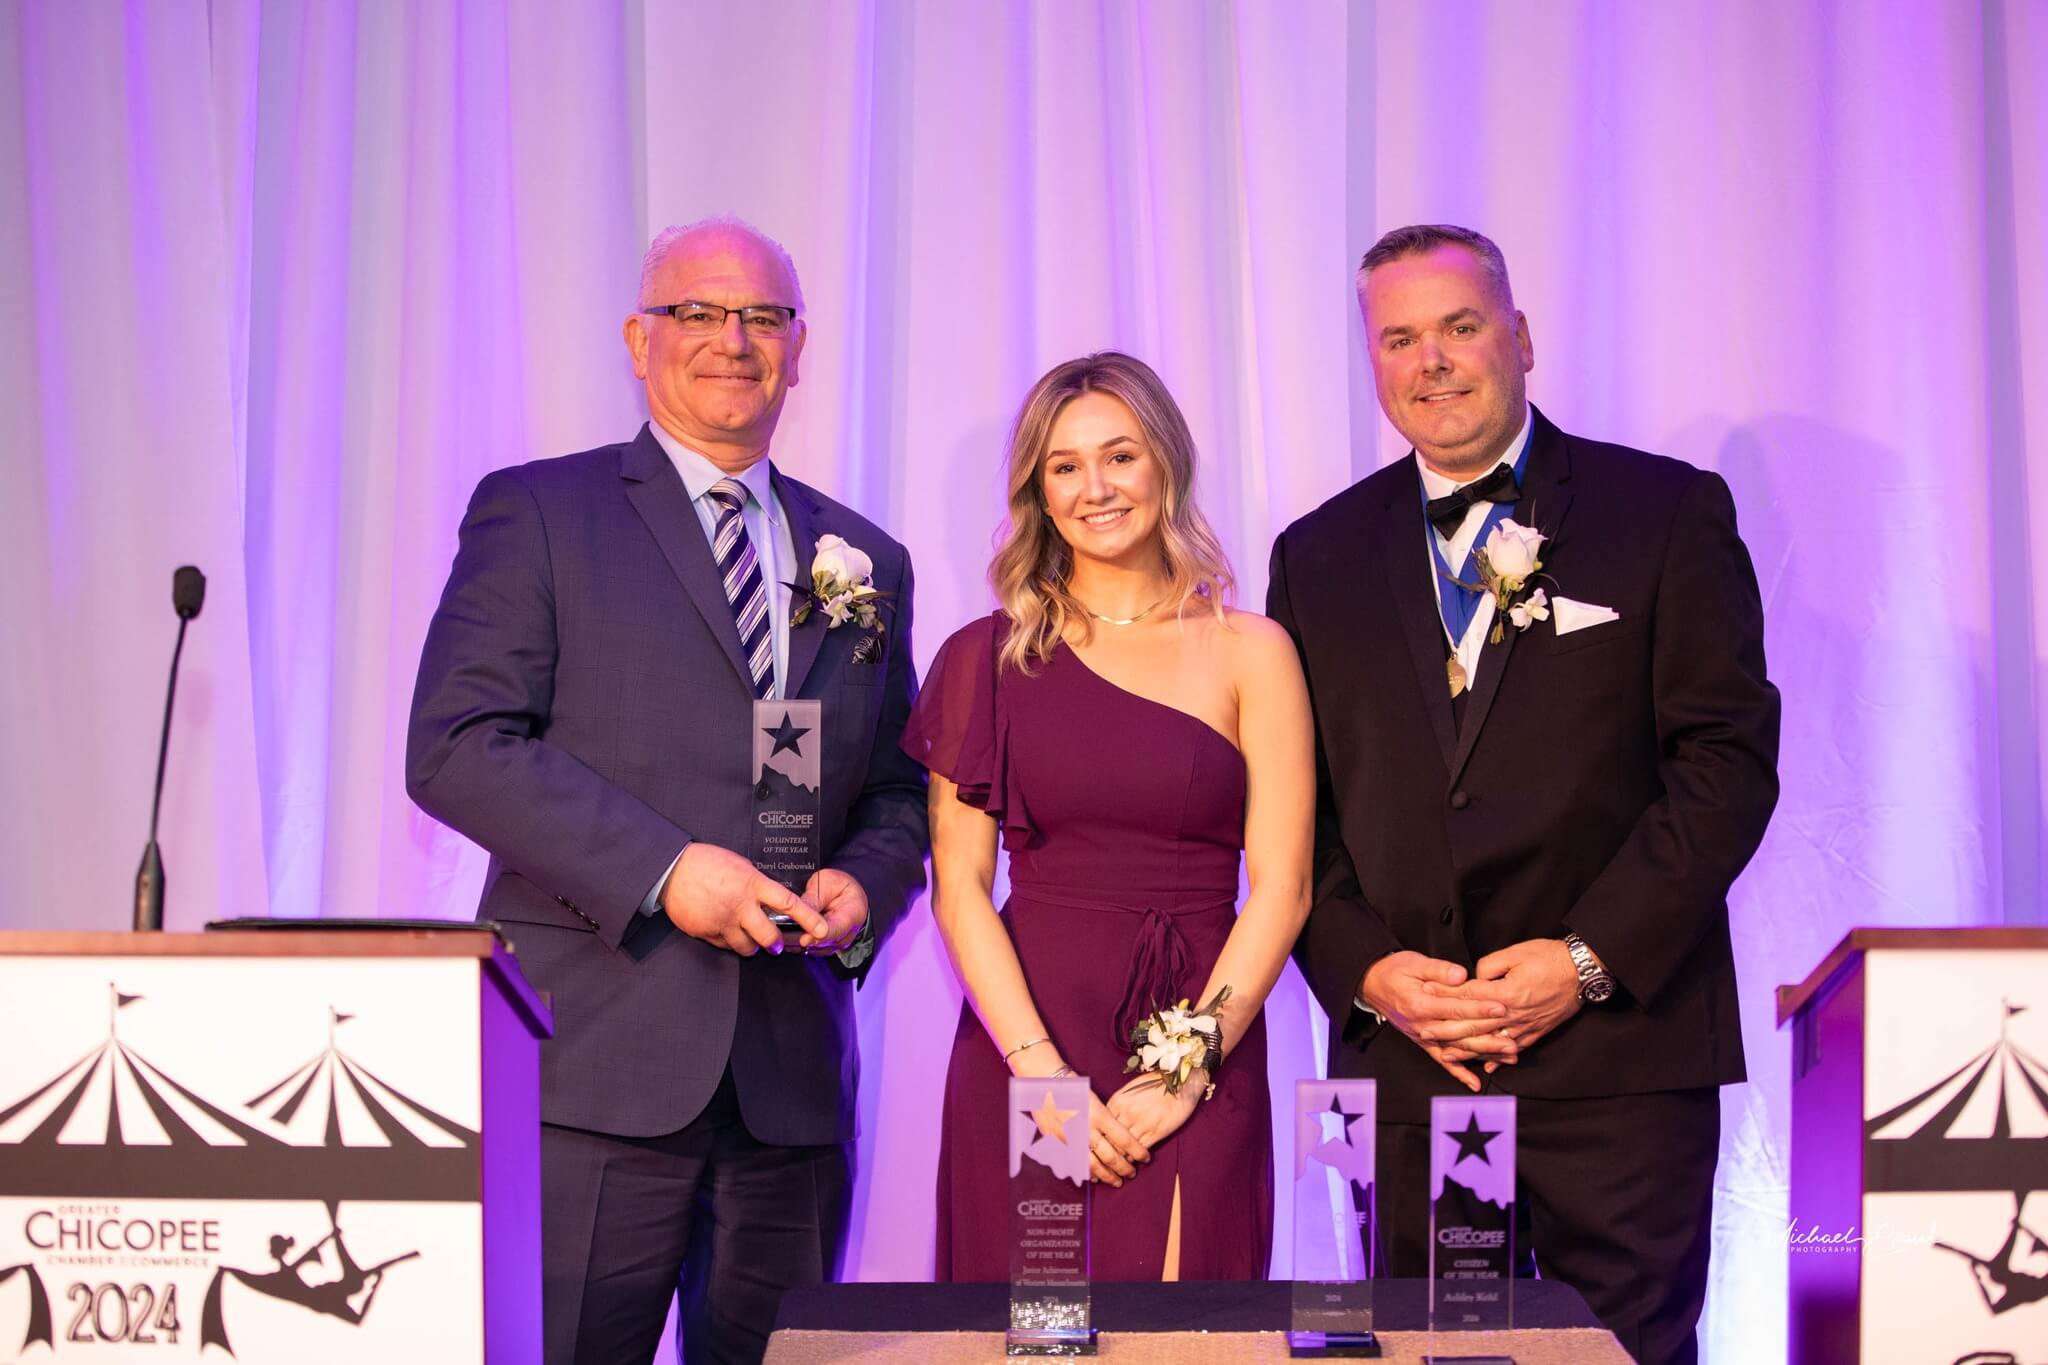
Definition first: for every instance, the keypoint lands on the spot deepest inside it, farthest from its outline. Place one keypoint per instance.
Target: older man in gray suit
(584, 708)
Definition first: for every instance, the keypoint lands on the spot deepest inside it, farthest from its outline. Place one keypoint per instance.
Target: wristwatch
(1595, 985)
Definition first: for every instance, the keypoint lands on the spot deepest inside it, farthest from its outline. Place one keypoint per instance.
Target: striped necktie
(741, 571)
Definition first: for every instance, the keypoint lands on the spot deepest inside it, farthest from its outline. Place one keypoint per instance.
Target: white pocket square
(1571, 616)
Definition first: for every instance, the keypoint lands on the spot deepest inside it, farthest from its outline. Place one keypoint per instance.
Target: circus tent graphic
(333, 1100)
(1984, 1125)
(113, 1124)
(114, 1096)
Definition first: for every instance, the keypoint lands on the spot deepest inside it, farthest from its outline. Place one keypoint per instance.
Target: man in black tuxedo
(586, 712)
(1531, 804)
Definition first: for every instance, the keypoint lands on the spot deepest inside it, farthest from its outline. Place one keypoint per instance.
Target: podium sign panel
(1049, 1299)
(1919, 1194)
(1472, 1211)
(251, 1157)
(1334, 1229)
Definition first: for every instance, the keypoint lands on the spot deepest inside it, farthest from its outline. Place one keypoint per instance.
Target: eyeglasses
(705, 319)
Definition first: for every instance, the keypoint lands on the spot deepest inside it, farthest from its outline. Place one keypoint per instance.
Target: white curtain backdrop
(282, 280)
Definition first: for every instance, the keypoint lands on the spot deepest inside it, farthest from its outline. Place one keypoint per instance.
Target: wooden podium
(310, 1144)
(1919, 1184)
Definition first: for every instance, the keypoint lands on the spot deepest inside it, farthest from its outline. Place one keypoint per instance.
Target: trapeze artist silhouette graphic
(2000, 1278)
(347, 1296)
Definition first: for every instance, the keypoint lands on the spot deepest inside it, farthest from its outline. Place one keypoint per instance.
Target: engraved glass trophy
(1471, 1211)
(1049, 1301)
(788, 797)
(1334, 1228)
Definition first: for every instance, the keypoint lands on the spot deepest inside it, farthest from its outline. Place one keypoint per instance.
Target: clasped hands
(1137, 1118)
(1123, 1130)
(716, 896)
(1509, 1002)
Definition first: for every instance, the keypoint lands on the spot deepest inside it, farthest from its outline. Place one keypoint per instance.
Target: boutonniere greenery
(1509, 563)
(842, 589)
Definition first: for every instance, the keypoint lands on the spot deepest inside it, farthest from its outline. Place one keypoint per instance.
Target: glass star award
(1471, 1211)
(1049, 1301)
(788, 796)
(1334, 1228)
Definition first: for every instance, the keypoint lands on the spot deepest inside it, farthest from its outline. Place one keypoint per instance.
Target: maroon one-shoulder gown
(1124, 821)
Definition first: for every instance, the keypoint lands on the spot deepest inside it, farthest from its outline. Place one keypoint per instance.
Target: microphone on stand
(188, 595)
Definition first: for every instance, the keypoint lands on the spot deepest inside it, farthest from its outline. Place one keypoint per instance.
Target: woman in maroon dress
(1125, 734)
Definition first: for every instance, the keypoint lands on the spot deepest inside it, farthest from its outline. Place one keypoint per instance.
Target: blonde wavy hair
(1033, 563)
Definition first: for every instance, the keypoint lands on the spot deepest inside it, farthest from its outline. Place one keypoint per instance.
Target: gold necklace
(1125, 621)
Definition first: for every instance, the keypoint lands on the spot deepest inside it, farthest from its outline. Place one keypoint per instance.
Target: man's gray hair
(1417, 238)
(666, 239)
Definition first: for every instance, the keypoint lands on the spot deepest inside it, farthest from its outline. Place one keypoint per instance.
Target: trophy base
(1357, 1345)
(1049, 1341)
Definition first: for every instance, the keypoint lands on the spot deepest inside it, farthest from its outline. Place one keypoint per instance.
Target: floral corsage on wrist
(1169, 1044)
(1508, 564)
(842, 589)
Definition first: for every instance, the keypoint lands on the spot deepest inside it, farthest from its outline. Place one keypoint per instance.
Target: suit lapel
(1546, 498)
(1400, 537)
(804, 515)
(657, 494)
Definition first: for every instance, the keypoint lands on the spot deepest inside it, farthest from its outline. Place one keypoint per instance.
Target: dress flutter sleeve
(960, 727)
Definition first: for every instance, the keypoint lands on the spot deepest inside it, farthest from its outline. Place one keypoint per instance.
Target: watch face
(1598, 989)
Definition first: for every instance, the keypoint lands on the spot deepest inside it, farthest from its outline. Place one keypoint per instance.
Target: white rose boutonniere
(842, 588)
(1511, 553)
(1509, 562)
(837, 562)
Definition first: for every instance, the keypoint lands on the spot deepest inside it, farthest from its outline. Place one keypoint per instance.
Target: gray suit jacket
(582, 712)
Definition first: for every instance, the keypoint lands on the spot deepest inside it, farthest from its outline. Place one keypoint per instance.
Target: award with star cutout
(1471, 1211)
(1049, 1300)
(1334, 1229)
(789, 740)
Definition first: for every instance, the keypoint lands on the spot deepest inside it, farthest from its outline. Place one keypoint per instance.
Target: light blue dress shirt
(767, 527)
(774, 547)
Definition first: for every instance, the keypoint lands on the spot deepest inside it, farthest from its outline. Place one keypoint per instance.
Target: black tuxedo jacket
(582, 711)
(1611, 781)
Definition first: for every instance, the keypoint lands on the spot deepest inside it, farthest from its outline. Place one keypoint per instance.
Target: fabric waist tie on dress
(1159, 957)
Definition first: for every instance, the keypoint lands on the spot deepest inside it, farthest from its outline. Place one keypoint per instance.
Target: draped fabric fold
(960, 730)
(1159, 961)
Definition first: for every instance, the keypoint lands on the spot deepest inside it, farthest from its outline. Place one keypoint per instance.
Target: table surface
(1166, 1322)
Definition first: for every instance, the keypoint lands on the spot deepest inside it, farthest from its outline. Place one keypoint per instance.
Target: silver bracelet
(1023, 1047)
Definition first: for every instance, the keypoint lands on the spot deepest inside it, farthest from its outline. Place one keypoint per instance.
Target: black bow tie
(1447, 513)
